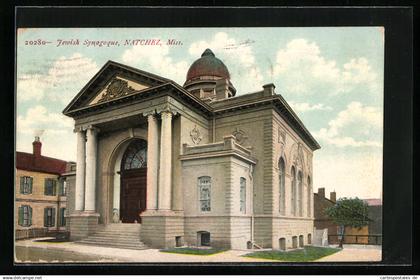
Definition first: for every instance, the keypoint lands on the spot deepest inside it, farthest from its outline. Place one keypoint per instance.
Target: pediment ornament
(196, 135)
(116, 88)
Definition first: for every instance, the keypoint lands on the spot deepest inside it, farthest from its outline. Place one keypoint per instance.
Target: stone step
(117, 236)
(110, 235)
(111, 239)
(114, 245)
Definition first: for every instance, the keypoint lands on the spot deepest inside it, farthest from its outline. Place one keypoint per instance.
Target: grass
(307, 254)
(193, 251)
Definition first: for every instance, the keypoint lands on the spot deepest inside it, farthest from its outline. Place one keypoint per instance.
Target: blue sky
(331, 77)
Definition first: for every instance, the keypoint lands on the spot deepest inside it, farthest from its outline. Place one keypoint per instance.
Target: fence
(37, 232)
(371, 239)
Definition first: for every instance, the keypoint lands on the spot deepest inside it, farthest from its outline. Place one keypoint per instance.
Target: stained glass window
(204, 187)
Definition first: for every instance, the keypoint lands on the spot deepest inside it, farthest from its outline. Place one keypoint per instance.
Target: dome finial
(208, 52)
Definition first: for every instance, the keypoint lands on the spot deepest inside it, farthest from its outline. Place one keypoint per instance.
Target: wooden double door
(133, 194)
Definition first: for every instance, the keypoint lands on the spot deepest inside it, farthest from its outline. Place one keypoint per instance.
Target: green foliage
(193, 251)
(349, 212)
(307, 254)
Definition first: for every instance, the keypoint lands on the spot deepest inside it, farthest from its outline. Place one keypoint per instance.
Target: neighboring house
(196, 164)
(375, 216)
(40, 193)
(322, 220)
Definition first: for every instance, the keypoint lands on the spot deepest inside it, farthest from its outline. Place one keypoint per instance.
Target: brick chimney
(269, 89)
(321, 192)
(37, 147)
(333, 196)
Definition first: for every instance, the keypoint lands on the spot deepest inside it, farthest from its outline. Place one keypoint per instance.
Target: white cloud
(349, 174)
(239, 58)
(55, 130)
(156, 59)
(356, 126)
(303, 70)
(63, 80)
(38, 118)
(305, 107)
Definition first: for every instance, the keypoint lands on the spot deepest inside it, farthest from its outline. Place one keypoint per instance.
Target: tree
(351, 212)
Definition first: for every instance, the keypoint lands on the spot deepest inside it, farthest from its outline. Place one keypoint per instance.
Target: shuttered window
(63, 187)
(62, 218)
(26, 185)
(49, 217)
(25, 215)
(50, 186)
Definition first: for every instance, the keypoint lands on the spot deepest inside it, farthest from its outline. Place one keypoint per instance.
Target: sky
(331, 77)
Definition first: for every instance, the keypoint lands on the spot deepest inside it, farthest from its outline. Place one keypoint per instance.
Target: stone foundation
(82, 224)
(160, 229)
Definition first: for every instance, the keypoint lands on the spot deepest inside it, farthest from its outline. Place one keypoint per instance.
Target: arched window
(135, 156)
(242, 195)
(293, 192)
(282, 191)
(204, 190)
(300, 193)
(309, 198)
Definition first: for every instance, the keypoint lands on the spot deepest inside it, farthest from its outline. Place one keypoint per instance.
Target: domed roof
(208, 65)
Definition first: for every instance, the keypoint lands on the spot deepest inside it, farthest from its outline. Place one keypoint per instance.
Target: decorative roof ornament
(240, 136)
(115, 89)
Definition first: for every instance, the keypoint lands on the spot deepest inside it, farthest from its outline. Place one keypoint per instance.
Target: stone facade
(213, 175)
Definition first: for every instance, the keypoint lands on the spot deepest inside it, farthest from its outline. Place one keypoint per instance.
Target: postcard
(165, 145)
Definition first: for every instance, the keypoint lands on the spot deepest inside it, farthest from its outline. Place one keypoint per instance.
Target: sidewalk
(355, 253)
(115, 255)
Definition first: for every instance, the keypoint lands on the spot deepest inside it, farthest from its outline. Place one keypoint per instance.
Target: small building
(321, 219)
(196, 164)
(40, 193)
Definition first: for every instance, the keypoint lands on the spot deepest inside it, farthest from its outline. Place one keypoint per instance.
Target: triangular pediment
(117, 87)
(113, 81)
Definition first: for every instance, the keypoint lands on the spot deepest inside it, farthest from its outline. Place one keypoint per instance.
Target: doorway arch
(133, 181)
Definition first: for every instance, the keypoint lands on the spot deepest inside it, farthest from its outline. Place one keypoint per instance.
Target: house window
(204, 188)
(62, 218)
(49, 217)
(26, 185)
(242, 195)
(50, 186)
(63, 187)
(25, 216)
(282, 190)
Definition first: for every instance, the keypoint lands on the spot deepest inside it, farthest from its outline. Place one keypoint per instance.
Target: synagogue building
(197, 164)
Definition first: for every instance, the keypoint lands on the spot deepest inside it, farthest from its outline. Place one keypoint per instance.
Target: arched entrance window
(135, 156)
(133, 182)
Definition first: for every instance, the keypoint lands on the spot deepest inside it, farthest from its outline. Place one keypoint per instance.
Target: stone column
(165, 167)
(91, 158)
(80, 171)
(152, 161)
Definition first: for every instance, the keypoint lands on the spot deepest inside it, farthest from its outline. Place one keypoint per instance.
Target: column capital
(167, 108)
(92, 128)
(150, 112)
(79, 129)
